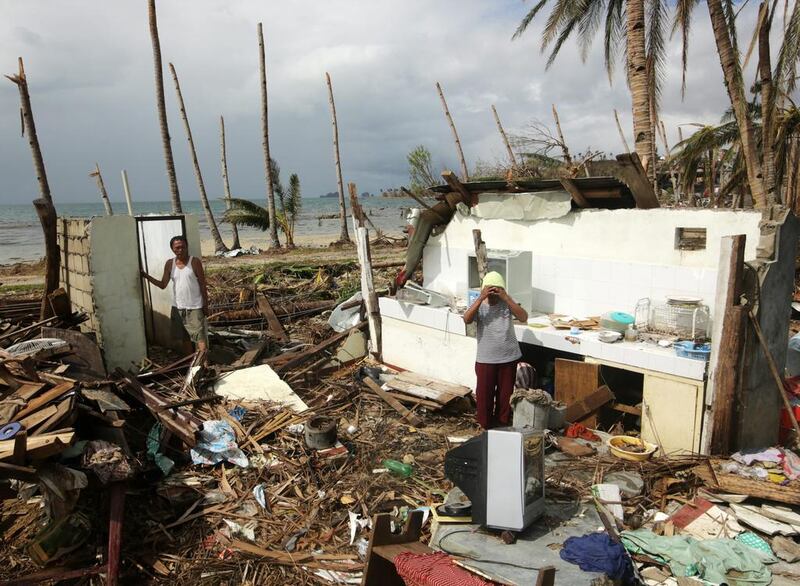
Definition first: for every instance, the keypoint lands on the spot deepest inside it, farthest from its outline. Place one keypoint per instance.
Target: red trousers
(493, 393)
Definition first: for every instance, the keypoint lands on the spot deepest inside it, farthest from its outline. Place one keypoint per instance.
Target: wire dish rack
(689, 321)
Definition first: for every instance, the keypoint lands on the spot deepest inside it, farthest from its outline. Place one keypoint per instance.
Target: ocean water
(21, 234)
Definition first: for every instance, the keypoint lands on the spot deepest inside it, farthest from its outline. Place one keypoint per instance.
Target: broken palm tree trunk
(726, 369)
(273, 222)
(365, 262)
(44, 205)
(219, 245)
(507, 144)
(162, 109)
(127, 189)
(226, 184)
(561, 141)
(101, 186)
(480, 254)
(462, 161)
(343, 235)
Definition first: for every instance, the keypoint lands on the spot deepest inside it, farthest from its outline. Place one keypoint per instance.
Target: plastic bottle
(398, 468)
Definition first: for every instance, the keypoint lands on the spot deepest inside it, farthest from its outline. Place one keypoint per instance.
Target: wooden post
(621, 133)
(219, 245)
(564, 148)
(368, 293)
(480, 254)
(505, 138)
(102, 188)
(273, 223)
(729, 346)
(343, 235)
(464, 171)
(44, 205)
(127, 189)
(225, 182)
(116, 516)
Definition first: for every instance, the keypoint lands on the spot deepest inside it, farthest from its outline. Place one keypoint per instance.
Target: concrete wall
(593, 261)
(100, 272)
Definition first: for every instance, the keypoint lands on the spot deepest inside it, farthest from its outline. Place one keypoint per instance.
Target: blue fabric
(596, 552)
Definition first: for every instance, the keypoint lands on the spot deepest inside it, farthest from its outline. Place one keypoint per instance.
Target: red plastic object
(786, 426)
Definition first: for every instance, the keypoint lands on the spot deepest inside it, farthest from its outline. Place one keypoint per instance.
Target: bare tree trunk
(219, 245)
(564, 148)
(273, 218)
(767, 106)
(127, 189)
(505, 138)
(343, 235)
(462, 161)
(651, 92)
(729, 60)
(621, 134)
(639, 85)
(225, 182)
(162, 109)
(44, 205)
(102, 188)
(673, 177)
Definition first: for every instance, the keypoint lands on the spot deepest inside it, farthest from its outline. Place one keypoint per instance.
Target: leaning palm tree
(635, 27)
(247, 213)
(273, 231)
(162, 109)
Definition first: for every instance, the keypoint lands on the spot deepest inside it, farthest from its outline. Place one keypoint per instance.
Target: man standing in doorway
(189, 293)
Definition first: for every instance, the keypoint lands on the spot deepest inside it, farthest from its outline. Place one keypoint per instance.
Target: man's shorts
(193, 321)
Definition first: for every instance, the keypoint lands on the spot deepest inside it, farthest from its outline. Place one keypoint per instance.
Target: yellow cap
(493, 279)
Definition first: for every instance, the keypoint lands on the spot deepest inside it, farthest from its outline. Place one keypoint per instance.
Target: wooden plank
(116, 515)
(20, 447)
(421, 391)
(51, 395)
(629, 409)
(38, 417)
(415, 401)
(253, 354)
(301, 357)
(394, 403)
(63, 411)
(587, 404)
(40, 446)
(28, 390)
(458, 187)
(391, 551)
(275, 325)
(572, 188)
(575, 380)
(481, 257)
(732, 483)
(18, 472)
(433, 383)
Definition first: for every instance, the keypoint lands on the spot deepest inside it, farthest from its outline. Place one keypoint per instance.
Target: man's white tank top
(185, 287)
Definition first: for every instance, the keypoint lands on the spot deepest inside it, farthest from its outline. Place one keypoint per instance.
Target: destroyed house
(579, 253)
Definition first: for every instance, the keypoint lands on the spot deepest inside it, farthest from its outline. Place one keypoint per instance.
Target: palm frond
(244, 212)
(656, 39)
(528, 18)
(614, 33)
(294, 199)
(683, 23)
(789, 54)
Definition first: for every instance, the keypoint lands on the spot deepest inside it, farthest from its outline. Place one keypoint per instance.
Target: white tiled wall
(592, 286)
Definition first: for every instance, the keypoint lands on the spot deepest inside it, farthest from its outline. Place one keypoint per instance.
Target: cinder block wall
(100, 272)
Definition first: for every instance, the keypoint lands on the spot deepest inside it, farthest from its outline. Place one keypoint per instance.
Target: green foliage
(294, 201)
(247, 213)
(420, 170)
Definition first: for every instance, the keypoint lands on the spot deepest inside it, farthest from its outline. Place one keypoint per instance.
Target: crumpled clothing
(217, 444)
(597, 552)
(107, 461)
(755, 472)
(791, 465)
(434, 568)
(752, 540)
(715, 560)
(581, 431)
(536, 396)
(769, 455)
(61, 487)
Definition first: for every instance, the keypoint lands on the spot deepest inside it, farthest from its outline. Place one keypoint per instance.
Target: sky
(90, 73)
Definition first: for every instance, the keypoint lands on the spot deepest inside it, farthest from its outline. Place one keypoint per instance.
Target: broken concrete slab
(258, 383)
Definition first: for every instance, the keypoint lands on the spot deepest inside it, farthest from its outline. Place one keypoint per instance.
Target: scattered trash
(218, 444)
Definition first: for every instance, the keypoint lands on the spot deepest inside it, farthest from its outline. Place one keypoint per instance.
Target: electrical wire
(475, 558)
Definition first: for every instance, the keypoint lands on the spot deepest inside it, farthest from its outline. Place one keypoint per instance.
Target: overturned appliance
(502, 473)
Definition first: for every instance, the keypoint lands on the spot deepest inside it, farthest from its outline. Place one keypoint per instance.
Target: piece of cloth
(752, 540)
(537, 396)
(791, 465)
(493, 279)
(497, 342)
(186, 292)
(719, 561)
(433, 569)
(581, 431)
(217, 443)
(526, 376)
(597, 552)
(107, 461)
(769, 455)
(193, 321)
(495, 383)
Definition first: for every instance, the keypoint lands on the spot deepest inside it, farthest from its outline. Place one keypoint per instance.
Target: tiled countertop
(636, 354)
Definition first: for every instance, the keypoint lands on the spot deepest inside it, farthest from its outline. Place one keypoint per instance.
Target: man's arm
(197, 266)
(162, 284)
(516, 308)
(469, 315)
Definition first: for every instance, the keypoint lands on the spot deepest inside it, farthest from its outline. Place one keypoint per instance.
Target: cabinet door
(573, 381)
(672, 413)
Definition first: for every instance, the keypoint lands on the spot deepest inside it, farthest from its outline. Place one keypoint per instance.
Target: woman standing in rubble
(498, 350)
